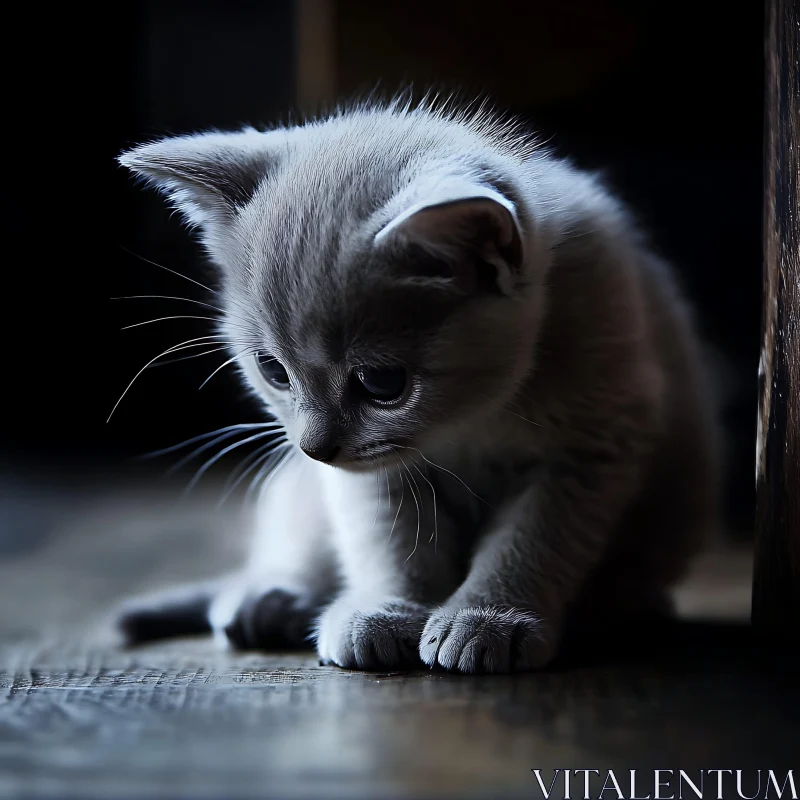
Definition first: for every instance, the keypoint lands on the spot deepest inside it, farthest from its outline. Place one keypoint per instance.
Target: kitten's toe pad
(273, 620)
(485, 639)
(371, 636)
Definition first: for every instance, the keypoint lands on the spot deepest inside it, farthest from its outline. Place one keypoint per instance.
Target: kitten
(498, 416)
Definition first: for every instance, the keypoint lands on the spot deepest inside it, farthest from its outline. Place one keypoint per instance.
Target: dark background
(666, 97)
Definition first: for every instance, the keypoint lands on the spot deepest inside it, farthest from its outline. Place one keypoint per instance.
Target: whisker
(182, 299)
(509, 411)
(164, 319)
(222, 453)
(447, 471)
(419, 519)
(186, 358)
(269, 470)
(207, 446)
(416, 485)
(245, 352)
(167, 269)
(378, 508)
(261, 455)
(248, 462)
(173, 448)
(524, 419)
(400, 506)
(168, 297)
(435, 534)
(200, 341)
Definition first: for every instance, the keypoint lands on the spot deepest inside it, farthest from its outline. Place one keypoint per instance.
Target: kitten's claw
(370, 636)
(273, 620)
(485, 639)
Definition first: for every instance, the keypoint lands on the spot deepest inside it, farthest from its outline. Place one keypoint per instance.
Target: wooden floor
(80, 717)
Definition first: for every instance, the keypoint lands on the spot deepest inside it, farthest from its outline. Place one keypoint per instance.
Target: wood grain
(776, 588)
(82, 718)
(181, 720)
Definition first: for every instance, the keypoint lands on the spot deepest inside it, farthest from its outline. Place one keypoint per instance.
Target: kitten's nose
(321, 452)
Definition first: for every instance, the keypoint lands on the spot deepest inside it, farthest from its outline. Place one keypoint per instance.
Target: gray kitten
(497, 414)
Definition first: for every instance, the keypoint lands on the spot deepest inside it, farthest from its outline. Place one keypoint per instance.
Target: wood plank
(181, 720)
(776, 587)
(82, 718)
(315, 57)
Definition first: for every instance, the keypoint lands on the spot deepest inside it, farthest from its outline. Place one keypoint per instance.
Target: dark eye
(272, 370)
(382, 383)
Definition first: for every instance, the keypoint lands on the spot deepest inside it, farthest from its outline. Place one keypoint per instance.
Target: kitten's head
(376, 271)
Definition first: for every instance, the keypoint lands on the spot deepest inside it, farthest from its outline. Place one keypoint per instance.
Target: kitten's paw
(485, 639)
(371, 636)
(272, 620)
(176, 612)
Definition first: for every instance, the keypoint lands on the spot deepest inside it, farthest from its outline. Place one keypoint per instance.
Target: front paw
(371, 635)
(485, 639)
(276, 619)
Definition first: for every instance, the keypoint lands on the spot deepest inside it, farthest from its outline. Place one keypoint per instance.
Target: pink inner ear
(463, 243)
(480, 225)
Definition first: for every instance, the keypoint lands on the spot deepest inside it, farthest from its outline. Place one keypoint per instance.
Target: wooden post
(315, 61)
(776, 583)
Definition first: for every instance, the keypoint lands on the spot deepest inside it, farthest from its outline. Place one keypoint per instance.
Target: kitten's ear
(207, 176)
(472, 232)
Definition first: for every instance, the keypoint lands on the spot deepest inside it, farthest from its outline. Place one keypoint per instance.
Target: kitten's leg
(397, 558)
(291, 571)
(508, 613)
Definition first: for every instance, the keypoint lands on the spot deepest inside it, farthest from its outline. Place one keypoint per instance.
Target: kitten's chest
(474, 484)
(468, 483)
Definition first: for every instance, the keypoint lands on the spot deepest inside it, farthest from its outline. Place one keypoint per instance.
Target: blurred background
(665, 97)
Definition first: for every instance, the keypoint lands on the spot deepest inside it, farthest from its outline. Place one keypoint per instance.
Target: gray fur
(555, 456)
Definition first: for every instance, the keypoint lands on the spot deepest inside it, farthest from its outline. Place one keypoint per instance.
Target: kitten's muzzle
(322, 452)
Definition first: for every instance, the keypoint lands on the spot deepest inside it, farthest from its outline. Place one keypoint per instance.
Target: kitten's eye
(272, 370)
(382, 383)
